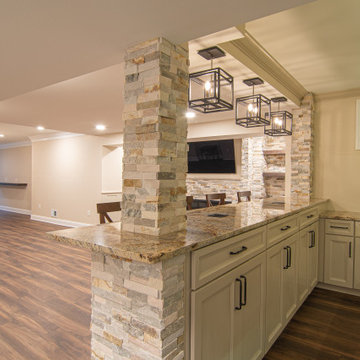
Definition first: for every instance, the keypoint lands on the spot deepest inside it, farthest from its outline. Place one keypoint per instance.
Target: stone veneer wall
(302, 150)
(253, 164)
(209, 186)
(137, 309)
(155, 132)
(275, 162)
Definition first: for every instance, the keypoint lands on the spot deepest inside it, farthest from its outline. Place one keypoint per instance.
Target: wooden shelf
(269, 174)
(13, 184)
(274, 152)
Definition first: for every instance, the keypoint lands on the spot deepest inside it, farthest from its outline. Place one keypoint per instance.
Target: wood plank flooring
(326, 327)
(44, 294)
(45, 304)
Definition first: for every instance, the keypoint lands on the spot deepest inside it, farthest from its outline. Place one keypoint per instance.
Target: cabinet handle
(287, 227)
(287, 258)
(350, 249)
(244, 248)
(245, 290)
(339, 227)
(240, 294)
(310, 216)
(290, 256)
(312, 239)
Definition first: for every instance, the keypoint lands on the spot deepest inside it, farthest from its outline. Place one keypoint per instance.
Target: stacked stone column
(302, 150)
(137, 309)
(155, 132)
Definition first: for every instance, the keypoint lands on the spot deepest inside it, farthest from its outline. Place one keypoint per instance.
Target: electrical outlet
(89, 212)
(53, 212)
(39, 206)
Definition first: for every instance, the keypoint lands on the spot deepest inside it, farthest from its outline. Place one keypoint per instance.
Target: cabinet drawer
(212, 261)
(308, 217)
(339, 227)
(282, 229)
(357, 228)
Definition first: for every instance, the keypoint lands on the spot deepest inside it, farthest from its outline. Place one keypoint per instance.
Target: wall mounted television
(211, 157)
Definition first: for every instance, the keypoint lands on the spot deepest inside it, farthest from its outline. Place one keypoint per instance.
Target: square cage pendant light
(250, 111)
(211, 90)
(280, 120)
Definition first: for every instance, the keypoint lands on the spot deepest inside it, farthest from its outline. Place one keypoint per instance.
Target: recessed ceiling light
(100, 127)
(190, 114)
(2, 135)
(40, 128)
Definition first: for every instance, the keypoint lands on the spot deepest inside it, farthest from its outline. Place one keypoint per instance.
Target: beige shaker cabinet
(281, 287)
(313, 258)
(339, 253)
(303, 259)
(307, 261)
(228, 316)
(357, 264)
(339, 262)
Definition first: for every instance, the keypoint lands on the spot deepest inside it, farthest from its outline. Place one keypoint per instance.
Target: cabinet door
(357, 261)
(339, 262)
(249, 324)
(290, 280)
(303, 264)
(274, 293)
(212, 319)
(313, 255)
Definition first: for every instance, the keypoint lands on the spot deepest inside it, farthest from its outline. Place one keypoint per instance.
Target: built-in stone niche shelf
(13, 184)
(271, 174)
(274, 152)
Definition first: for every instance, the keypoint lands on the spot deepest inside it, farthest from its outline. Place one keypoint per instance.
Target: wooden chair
(244, 194)
(220, 196)
(189, 201)
(104, 208)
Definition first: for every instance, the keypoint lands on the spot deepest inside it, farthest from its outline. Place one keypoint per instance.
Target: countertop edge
(154, 258)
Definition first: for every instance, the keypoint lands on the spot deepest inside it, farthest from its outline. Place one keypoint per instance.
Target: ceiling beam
(250, 53)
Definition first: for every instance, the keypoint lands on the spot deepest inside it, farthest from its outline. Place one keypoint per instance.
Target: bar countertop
(202, 230)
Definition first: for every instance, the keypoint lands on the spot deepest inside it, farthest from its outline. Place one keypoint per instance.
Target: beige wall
(336, 162)
(15, 166)
(67, 177)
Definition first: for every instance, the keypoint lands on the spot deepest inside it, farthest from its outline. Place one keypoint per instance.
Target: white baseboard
(15, 210)
(338, 289)
(62, 222)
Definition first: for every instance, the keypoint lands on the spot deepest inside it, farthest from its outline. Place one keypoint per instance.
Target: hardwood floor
(326, 327)
(45, 304)
(44, 294)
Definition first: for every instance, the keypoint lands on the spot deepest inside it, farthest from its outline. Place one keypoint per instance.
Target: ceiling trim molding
(15, 145)
(56, 136)
(338, 94)
(250, 53)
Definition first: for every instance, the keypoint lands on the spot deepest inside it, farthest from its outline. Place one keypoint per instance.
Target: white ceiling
(43, 42)
(61, 61)
(318, 43)
(19, 134)
(75, 105)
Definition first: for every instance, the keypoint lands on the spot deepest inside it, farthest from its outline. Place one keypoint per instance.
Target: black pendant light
(280, 120)
(250, 111)
(211, 90)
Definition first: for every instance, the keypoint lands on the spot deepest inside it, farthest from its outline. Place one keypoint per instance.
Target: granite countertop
(340, 215)
(202, 230)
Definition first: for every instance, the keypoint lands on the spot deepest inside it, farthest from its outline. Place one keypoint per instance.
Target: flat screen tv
(211, 157)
